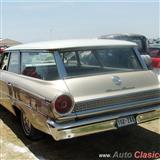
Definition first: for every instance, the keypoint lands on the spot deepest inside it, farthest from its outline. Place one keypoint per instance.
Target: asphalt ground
(15, 146)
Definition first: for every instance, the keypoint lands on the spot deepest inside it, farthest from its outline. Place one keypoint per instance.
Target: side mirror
(147, 60)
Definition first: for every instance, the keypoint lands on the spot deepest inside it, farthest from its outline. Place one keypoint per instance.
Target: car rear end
(109, 87)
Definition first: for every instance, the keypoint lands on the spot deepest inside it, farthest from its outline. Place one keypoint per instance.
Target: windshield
(93, 61)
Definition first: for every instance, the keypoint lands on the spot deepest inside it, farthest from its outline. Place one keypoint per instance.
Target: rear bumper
(95, 125)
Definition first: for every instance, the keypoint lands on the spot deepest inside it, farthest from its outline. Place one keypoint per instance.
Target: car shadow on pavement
(90, 147)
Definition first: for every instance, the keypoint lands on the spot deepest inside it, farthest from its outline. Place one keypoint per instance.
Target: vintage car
(155, 55)
(72, 88)
(140, 40)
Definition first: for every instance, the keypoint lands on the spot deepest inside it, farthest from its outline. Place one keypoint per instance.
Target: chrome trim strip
(93, 120)
(108, 102)
(97, 127)
(130, 94)
(21, 103)
(111, 108)
(117, 107)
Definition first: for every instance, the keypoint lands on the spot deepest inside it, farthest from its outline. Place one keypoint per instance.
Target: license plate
(125, 121)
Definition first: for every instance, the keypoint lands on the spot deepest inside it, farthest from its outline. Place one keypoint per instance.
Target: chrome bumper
(95, 125)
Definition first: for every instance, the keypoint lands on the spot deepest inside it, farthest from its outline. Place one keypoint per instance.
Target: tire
(29, 131)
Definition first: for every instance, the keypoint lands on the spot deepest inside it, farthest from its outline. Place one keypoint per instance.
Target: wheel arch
(17, 111)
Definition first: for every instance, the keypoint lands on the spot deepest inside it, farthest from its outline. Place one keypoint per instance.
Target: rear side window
(14, 62)
(39, 65)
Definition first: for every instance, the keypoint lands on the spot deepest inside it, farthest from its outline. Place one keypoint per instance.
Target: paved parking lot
(14, 146)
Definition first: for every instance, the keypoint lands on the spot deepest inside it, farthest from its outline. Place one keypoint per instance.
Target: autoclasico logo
(136, 155)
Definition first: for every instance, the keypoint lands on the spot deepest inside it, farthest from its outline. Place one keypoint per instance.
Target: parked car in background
(155, 54)
(154, 41)
(1, 50)
(73, 88)
(140, 40)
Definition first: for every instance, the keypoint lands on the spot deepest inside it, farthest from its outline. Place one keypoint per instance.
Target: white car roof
(64, 44)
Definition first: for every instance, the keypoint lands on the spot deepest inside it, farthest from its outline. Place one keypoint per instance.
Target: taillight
(63, 104)
(156, 62)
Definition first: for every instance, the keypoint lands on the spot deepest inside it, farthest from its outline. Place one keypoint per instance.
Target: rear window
(39, 65)
(107, 60)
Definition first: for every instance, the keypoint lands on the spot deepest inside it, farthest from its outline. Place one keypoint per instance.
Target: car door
(9, 71)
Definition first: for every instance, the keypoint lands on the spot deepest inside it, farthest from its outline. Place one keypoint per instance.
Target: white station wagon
(73, 88)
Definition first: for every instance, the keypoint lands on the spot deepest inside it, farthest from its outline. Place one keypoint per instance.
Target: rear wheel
(28, 129)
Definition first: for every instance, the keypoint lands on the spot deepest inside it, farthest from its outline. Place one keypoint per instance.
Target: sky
(39, 20)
